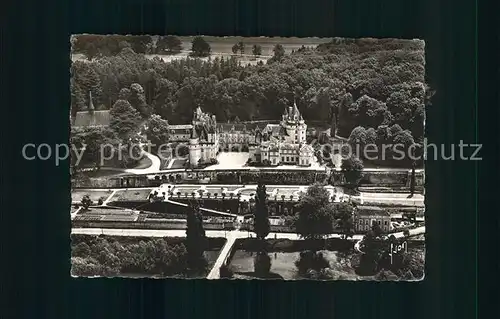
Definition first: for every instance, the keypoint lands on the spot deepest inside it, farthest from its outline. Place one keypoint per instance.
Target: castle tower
(294, 124)
(301, 125)
(194, 148)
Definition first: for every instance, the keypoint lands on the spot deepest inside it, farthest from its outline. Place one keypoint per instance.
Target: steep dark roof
(180, 127)
(194, 134)
(238, 127)
(273, 129)
(92, 118)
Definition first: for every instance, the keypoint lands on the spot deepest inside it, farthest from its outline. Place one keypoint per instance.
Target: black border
(35, 199)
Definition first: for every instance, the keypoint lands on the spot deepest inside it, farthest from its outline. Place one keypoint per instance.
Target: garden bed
(131, 195)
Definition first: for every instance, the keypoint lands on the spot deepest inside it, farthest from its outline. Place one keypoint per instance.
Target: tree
(140, 43)
(86, 79)
(93, 138)
(261, 220)
(358, 139)
(344, 217)
(195, 238)
(137, 99)
(256, 50)
(200, 47)
(124, 119)
(377, 231)
(124, 94)
(157, 131)
(412, 181)
(368, 264)
(170, 44)
(352, 169)
(262, 264)
(235, 48)
(241, 47)
(315, 213)
(91, 51)
(86, 202)
(279, 52)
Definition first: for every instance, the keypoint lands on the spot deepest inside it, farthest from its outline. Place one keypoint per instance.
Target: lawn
(229, 160)
(178, 163)
(77, 195)
(131, 195)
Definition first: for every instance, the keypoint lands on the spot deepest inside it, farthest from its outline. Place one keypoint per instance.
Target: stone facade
(283, 143)
(367, 216)
(274, 144)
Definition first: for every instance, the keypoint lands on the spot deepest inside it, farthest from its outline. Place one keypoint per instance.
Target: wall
(167, 224)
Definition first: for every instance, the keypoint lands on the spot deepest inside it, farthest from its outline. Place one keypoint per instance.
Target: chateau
(272, 144)
(283, 143)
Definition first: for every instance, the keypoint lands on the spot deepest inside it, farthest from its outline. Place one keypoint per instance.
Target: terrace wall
(149, 224)
(245, 176)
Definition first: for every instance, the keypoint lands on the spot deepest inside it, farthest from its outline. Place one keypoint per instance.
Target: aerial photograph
(201, 157)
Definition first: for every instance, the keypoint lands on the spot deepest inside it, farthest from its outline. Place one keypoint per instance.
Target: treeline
(368, 83)
(93, 45)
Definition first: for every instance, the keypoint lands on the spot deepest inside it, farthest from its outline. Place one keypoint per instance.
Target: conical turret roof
(296, 109)
(194, 134)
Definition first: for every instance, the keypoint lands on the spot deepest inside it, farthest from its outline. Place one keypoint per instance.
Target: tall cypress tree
(195, 238)
(261, 219)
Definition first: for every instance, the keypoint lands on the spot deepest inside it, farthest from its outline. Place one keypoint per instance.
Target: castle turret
(296, 114)
(194, 148)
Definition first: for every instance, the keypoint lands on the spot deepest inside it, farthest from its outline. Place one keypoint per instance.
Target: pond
(283, 263)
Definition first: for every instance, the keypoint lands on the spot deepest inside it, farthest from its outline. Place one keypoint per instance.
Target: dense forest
(374, 87)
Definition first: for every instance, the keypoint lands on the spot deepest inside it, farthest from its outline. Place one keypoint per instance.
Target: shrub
(310, 260)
